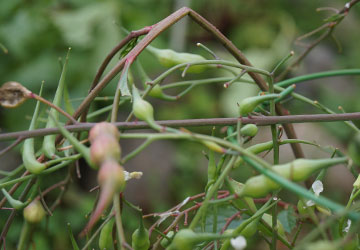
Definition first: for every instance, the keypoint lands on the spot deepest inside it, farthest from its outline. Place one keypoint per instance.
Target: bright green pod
(170, 58)
(165, 242)
(141, 108)
(14, 203)
(298, 170)
(248, 104)
(28, 154)
(48, 146)
(267, 218)
(105, 238)
(249, 130)
(140, 237)
(255, 149)
(183, 240)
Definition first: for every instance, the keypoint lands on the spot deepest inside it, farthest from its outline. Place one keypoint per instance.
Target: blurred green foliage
(37, 33)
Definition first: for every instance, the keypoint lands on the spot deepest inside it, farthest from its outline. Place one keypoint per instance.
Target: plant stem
(260, 121)
(273, 126)
(211, 192)
(318, 75)
(119, 227)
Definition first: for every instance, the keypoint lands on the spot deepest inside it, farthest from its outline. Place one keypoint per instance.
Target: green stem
(118, 220)
(46, 171)
(25, 236)
(211, 193)
(323, 74)
(273, 126)
(98, 230)
(137, 150)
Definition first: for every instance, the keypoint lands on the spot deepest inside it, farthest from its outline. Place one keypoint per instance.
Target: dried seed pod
(13, 94)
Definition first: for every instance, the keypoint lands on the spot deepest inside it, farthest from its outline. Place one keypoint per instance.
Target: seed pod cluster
(298, 170)
(105, 152)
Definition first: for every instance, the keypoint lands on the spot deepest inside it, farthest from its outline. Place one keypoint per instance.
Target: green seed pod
(303, 209)
(28, 154)
(34, 212)
(105, 238)
(298, 170)
(48, 146)
(104, 128)
(249, 104)
(141, 108)
(255, 149)
(165, 242)
(279, 226)
(322, 245)
(140, 237)
(104, 147)
(242, 203)
(249, 130)
(214, 146)
(250, 229)
(14, 203)
(170, 58)
(183, 240)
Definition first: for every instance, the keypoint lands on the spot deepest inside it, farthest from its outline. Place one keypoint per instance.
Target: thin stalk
(43, 100)
(118, 221)
(260, 121)
(98, 230)
(273, 126)
(46, 171)
(212, 190)
(313, 76)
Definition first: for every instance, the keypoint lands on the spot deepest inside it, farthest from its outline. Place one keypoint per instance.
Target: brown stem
(258, 120)
(108, 58)
(12, 215)
(39, 98)
(12, 145)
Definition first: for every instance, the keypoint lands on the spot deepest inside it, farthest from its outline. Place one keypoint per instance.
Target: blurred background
(38, 32)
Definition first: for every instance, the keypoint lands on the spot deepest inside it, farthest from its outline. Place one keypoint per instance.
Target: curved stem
(318, 75)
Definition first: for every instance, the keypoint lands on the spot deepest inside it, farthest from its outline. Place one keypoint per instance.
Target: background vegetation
(36, 33)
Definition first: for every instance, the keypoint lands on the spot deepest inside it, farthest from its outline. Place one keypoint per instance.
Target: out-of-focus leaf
(288, 219)
(77, 26)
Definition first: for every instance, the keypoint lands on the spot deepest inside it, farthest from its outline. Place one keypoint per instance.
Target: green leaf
(288, 219)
